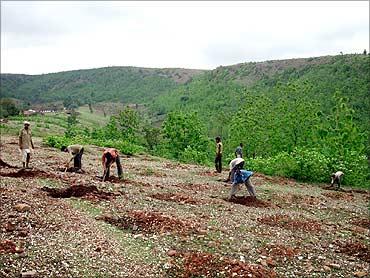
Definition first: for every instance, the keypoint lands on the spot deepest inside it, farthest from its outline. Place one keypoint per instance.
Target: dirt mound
(284, 221)
(338, 195)
(8, 246)
(71, 170)
(150, 222)
(140, 183)
(25, 173)
(363, 222)
(192, 264)
(249, 201)
(209, 174)
(111, 179)
(276, 179)
(279, 251)
(3, 164)
(354, 248)
(172, 197)
(90, 192)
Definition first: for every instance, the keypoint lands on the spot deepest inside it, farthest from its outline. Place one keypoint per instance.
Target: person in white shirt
(336, 178)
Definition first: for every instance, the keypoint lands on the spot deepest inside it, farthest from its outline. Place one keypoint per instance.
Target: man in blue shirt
(239, 151)
(242, 176)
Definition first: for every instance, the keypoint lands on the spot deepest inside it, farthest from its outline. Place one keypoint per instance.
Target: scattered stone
(98, 249)
(22, 207)
(10, 226)
(336, 266)
(360, 274)
(171, 253)
(29, 274)
(270, 262)
(23, 233)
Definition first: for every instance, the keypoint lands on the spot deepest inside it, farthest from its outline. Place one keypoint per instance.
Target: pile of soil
(3, 164)
(26, 173)
(192, 264)
(249, 201)
(150, 222)
(209, 174)
(279, 251)
(71, 170)
(284, 221)
(362, 222)
(174, 197)
(354, 248)
(8, 246)
(91, 192)
(338, 195)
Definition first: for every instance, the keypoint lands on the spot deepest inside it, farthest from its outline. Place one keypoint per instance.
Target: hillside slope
(123, 84)
(215, 94)
(167, 219)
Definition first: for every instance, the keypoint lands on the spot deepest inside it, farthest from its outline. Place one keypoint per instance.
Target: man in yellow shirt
(218, 159)
(25, 144)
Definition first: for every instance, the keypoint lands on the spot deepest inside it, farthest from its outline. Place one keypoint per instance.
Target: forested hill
(122, 84)
(219, 93)
(215, 94)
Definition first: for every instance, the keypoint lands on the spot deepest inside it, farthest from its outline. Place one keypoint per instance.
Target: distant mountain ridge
(211, 92)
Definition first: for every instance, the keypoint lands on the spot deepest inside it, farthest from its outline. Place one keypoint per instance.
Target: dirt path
(166, 219)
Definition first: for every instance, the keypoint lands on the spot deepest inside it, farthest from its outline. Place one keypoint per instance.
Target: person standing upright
(218, 159)
(239, 151)
(25, 144)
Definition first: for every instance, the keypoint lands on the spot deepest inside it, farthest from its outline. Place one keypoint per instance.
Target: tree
(128, 123)
(8, 108)
(182, 130)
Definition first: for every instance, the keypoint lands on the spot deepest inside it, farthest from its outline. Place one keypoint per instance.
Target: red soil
(192, 264)
(250, 202)
(150, 222)
(90, 192)
(174, 197)
(286, 222)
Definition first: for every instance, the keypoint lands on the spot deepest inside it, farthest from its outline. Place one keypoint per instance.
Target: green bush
(312, 165)
(191, 155)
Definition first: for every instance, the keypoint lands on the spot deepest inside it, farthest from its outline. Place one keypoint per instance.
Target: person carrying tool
(76, 151)
(242, 176)
(236, 163)
(336, 178)
(111, 156)
(25, 144)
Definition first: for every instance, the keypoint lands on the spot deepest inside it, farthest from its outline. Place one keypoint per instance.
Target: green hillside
(217, 94)
(75, 88)
(298, 118)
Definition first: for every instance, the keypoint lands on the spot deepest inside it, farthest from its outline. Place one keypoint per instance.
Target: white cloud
(41, 37)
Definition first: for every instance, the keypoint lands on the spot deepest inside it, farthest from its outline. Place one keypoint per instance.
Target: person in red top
(111, 156)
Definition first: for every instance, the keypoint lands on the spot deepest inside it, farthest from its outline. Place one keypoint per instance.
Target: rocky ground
(166, 219)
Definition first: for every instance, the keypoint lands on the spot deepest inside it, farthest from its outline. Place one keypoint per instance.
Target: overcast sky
(44, 37)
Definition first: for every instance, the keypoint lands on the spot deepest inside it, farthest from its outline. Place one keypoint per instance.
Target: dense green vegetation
(299, 118)
(76, 88)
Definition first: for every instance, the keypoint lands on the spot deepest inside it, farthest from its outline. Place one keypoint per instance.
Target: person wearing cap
(25, 144)
(235, 164)
(76, 151)
(242, 176)
(111, 156)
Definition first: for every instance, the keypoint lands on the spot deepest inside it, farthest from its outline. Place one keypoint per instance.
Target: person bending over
(111, 156)
(242, 176)
(76, 152)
